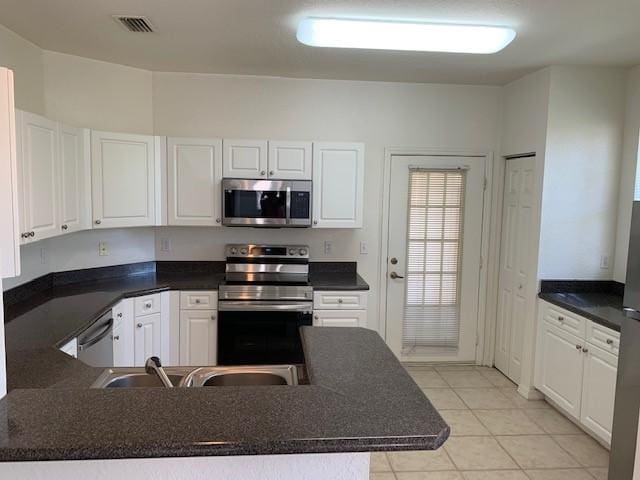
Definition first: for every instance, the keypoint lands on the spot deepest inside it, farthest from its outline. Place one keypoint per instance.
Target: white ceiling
(257, 37)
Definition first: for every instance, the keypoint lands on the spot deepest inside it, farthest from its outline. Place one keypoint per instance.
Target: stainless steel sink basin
(133, 377)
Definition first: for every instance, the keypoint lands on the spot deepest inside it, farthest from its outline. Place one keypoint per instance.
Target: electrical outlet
(103, 249)
(165, 245)
(328, 247)
(364, 248)
(604, 262)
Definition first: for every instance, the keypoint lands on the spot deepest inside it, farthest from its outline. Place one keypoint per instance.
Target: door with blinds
(433, 264)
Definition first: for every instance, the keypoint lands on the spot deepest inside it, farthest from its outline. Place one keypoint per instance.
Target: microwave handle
(288, 205)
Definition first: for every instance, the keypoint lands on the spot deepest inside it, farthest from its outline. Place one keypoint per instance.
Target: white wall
(627, 172)
(379, 114)
(581, 172)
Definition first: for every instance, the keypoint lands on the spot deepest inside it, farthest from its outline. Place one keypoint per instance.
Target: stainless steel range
(265, 299)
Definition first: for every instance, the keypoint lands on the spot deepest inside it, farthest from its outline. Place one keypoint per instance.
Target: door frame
(389, 153)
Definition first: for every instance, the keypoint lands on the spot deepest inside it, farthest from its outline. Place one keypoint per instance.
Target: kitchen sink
(194, 377)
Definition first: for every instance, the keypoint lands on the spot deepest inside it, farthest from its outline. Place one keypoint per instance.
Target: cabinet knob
(217, 220)
(148, 304)
(270, 173)
(316, 317)
(98, 222)
(315, 222)
(213, 317)
(32, 234)
(609, 341)
(561, 319)
(263, 173)
(197, 300)
(585, 350)
(64, 227)
(25, 235)
(139, 325)
(116, 338)
(578, 347)
(120, 315)
(340, 300)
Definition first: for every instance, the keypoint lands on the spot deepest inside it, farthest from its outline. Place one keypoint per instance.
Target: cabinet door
(9, 210)
(244, 159)
(338, 185)
(147, 338)
(123, 180)
(123, 334)
(290, 160)
(198, 337)
(73, 158)
(195, 171)
(598, 391)
(339, 318)
(559, 367)
(39, 169)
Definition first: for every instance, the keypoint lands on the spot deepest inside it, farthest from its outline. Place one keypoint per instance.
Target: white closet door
(39, 162)
(123, 180)
(194, 174)
(515, 276)
(73, 158)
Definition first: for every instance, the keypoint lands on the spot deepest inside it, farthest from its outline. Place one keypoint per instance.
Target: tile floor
(495, 434)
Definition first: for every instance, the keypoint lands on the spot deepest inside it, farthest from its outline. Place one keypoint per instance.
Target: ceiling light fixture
(389, 35)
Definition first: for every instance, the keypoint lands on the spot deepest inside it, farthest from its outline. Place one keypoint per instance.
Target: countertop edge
(549, 297)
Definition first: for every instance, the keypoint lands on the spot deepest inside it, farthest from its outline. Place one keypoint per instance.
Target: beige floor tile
(584, 449)
(478, 453)
(564, 474)
(444, 399)
(484, 398)
(382, 476)
(453, 475)
(508, 422)
(537, 451)
(428, 379)
(497, 379)
(454, 368)
(463, 423)
(495, 475)
(552, 421)
(465, 379)
(379, 462)
(599, 473)
(521, 402)
(417, 368)
(422, 461)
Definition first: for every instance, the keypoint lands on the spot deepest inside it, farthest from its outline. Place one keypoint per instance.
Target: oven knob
(302, 251)
(233, 250)
(243, 251)
(292, 251)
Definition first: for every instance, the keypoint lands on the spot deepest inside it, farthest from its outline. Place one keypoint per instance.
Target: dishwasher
(95, 344)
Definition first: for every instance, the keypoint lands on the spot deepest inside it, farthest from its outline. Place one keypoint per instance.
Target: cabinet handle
(32, 234)
(120, 315)
(213, 317)
(609, 341)
(217, 220)
(340, 300)
(25, 235)
(98, 222)
(316, 317)
(561, 319)
(263, 173)
(585, 350)
(147, 304)
(578, 347)
(197, 300)
(270, 173)
(64, 227)
(139, 325)
(315, 222)
(116, 338)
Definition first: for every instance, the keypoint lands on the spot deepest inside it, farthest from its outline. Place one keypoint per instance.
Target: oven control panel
(267, 251)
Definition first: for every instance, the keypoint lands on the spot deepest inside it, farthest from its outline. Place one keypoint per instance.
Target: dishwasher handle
(97, 338)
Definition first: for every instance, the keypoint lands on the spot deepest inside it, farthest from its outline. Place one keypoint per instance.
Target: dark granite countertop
(359, 399)
(600, 301)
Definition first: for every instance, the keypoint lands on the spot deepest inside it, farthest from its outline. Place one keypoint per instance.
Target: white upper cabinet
(38, 167)
(338, 185)
(123, 180)
(289, 160)
(74, 170)
(193, 179)
(244, 159)
(9, 214)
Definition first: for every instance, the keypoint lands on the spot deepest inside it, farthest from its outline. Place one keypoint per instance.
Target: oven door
(266, 203)
(261, 332)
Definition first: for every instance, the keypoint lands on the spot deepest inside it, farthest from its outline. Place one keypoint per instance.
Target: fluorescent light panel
(386, 35)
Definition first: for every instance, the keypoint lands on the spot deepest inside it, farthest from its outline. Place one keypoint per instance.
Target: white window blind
(434, 249)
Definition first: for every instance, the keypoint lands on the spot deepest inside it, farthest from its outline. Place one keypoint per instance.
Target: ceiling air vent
(134, 24)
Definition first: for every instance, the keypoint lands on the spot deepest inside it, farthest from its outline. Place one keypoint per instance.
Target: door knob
(395, 276)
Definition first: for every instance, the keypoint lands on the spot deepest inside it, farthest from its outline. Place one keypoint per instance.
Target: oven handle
(263, 306)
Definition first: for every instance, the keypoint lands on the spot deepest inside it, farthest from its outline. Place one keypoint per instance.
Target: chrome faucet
(153, 366)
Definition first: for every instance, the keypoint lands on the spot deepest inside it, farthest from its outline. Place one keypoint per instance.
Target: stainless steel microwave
(266, 203)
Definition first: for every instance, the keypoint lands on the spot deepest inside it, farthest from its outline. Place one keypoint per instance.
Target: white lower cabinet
(147, 338)
(123, 342)
(198, 337)
(575, 372)
(340, 309)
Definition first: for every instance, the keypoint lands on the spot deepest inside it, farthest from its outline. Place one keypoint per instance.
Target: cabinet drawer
(147, 305)
(336, 318)
(199, 300)
(565, 320)
(603, 337)
(340, 300)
